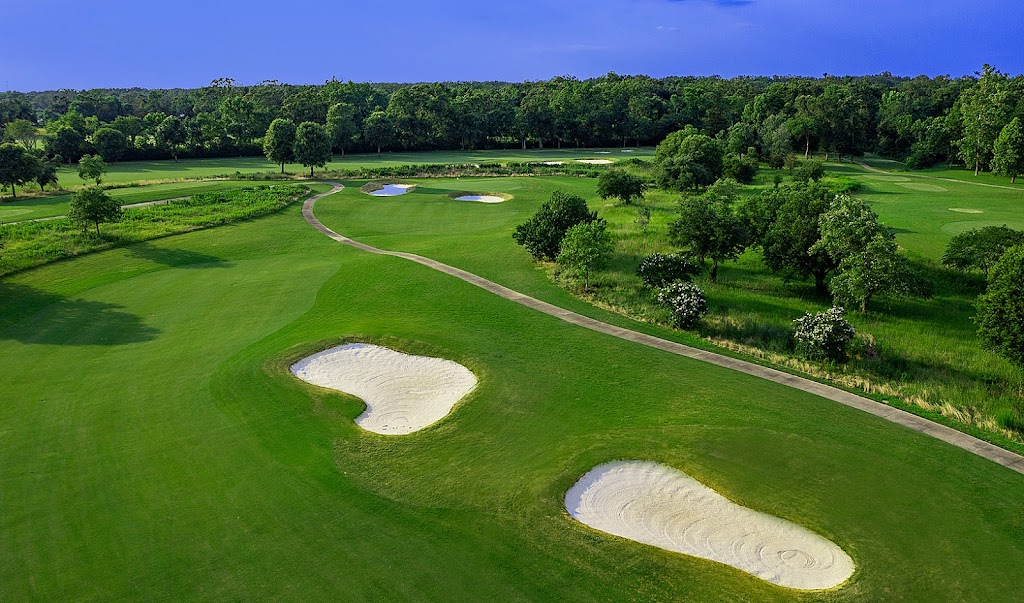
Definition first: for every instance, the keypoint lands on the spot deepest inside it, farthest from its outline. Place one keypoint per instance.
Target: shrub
(741, 168)
(809, 170)
(542, 233)
(686, 301)
(660, 269)
(1001, 308)
(824, 336)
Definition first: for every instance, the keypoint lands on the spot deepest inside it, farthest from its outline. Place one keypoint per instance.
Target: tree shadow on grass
(175, 257)
(31, 316)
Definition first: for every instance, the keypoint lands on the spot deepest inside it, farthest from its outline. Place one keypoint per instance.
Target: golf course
(158, 446)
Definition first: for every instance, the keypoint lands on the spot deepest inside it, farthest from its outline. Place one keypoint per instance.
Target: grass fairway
(156, 447)
(132, 171)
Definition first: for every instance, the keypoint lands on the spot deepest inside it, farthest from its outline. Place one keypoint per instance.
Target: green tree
(621, 185)
(542, 234)
(379, 130)
(129, 125)
(17, 166)
(66, 142)
(342, 125)
(111, 144)
(1008, 156)
(686, 159)
(24, 133)
(980, 248)
(48, 172)
(708, 228)
(586, 247)
(171, 133)
(1001, 308)
(279, 142)
(91, 167)
(983, 108)
(92, 205)
(312, 145)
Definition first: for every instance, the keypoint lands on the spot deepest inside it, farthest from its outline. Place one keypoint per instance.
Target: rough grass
(156, 447)
(31, 244)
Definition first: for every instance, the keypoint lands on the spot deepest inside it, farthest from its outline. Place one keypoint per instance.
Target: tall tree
(279, 142)
(1008, 151)
(17, 166)
(1001, 308)
(24, 133)
(111, 144)
(171, 133)
(378, 130)
(47, 172)
(312, 145)
(687, 159)
(342, 126)
(984, 109)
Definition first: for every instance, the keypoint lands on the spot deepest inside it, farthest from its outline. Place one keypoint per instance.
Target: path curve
(927, 177)
(911, 421)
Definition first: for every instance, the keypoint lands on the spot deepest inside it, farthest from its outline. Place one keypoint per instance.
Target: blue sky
(118, 43)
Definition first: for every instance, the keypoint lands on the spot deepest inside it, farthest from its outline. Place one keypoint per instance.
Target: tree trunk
(807, 147)
(97, 230)
(977, 167)
(524, 144)
(714, 271)
(586, 279)
(310, 172)
(14, 193)
(820, 288)
(378, 150)
(282, 167)
(342, 152)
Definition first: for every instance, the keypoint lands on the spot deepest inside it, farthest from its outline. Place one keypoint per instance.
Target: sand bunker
(403, 393)
(920, 186)
(595, 161)
(661, 506)
(626, 151)
(553, 162)
(392, 190)
(966, 211)
(480, 198)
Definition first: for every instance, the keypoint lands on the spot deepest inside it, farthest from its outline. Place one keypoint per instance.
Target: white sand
(626, 151)
(595, 161)
(603, 152)
(966, 211)
(553, 162)
(480, 198)
(403, 393)
(661, 506)
(392, 190)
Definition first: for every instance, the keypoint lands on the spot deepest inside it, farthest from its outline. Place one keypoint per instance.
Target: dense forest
(921, 120)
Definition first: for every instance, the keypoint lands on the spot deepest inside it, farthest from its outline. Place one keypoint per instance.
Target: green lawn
(57, 205)
(132, 171)
(156, 447)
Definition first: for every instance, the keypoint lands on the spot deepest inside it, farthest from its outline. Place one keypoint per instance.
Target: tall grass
(30, 244)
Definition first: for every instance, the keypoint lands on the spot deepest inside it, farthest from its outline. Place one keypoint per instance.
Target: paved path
(927, 177)
(129, 206)
(906, 419)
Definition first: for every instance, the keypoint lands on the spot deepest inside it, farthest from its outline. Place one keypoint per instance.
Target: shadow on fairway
(175, 258)
(32, 316)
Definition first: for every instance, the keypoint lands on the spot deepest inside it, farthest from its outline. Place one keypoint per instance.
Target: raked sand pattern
(657, 505)
(481, 198)
(403, 393)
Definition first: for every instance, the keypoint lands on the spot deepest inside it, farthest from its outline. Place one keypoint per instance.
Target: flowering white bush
(823, 336)
(686, 301)
(660, 269)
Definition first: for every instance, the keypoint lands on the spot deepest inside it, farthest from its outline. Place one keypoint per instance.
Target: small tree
(17, 166)
(622, 185)
(661, 269)
(379, 129)
(876, 270)
(741, 168)
(980, 248)
(1001, 308)
(687, 159)
(92, 206)
(312, 145)
(686, 301)
(92, 167)
(279, 142)
(586, 247)
(823, 336)
(48, 172)
(1009, 151)
(542, 234)
(110, 144)
(707, 226)
(643, 218)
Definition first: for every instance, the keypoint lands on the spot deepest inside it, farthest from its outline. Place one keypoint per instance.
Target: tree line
(921, 120)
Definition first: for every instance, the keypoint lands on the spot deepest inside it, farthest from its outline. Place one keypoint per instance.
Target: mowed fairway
(156, 446)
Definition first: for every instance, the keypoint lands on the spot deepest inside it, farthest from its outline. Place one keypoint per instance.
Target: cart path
(900, 417)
